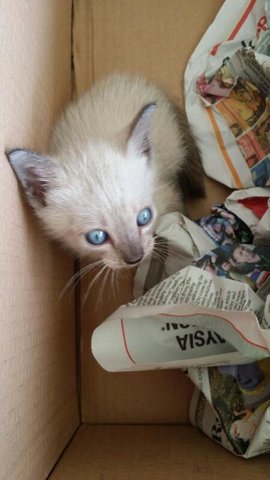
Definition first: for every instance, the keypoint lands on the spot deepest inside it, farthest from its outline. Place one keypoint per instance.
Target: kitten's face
(109, 215)
(100, 204)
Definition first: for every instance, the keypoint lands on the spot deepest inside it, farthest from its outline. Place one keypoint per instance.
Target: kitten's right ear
(36, 173)
(138, 141)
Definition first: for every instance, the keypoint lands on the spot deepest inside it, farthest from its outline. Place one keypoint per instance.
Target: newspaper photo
(183, 240)
(230, 405)
(246, 263)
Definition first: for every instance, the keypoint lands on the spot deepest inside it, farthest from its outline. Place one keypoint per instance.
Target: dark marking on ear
(140, 129)
(34, 171)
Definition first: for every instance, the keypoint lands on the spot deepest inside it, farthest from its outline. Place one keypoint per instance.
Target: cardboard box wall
(134, 426)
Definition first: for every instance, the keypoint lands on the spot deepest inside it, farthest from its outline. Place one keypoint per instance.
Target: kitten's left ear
(36, 174)
(138, 142)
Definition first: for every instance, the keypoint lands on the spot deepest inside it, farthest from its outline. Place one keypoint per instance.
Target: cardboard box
(56, 404)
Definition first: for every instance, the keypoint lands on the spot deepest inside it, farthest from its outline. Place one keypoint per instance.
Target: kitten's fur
(121, 147)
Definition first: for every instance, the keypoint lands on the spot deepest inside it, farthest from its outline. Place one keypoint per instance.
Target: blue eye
(96, 237)
(144, 217)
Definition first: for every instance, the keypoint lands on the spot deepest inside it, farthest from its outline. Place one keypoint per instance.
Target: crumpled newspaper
(203, 315)
(204, 305)
(227, 86)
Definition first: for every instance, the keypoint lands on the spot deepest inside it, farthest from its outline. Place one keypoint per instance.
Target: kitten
(120, 156)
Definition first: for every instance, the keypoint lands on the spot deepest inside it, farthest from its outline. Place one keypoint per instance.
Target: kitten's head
(100, 202)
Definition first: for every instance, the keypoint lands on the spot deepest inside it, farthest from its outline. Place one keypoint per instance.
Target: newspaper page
(246, 111)
(204, 320)
(227, 85)
(192, 318)
(242, 100)
(230, 404)
(252, 206)
(182, 240)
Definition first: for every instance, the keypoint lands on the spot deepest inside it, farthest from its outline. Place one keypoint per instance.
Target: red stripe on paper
(237, 26)
(125, 342)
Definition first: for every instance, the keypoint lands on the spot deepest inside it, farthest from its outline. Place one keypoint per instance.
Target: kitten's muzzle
(134, 262)
(133, 256)
(131, 250)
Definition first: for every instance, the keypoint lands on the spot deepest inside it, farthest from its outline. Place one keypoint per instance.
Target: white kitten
(119, 157)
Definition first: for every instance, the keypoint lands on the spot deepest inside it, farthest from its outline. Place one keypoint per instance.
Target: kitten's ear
(138, 141)
(35, 173)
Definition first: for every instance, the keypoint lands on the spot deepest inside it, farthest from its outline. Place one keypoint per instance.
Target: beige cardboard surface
(154, 38)
(150, 37)
(152, 453)
(38, 405)
(148, 397)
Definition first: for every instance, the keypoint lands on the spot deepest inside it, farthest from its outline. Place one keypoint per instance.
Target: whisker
(170, 246)
(164, 185)
(171, 183)
(159, 256)
(73, 281)
(118, 275)
(90, 286)
(112, 286)
(176, 256)
(102, 288)
(160, 252)
(111, 283)
(169, 250)
(170, 166)
(108, 273)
